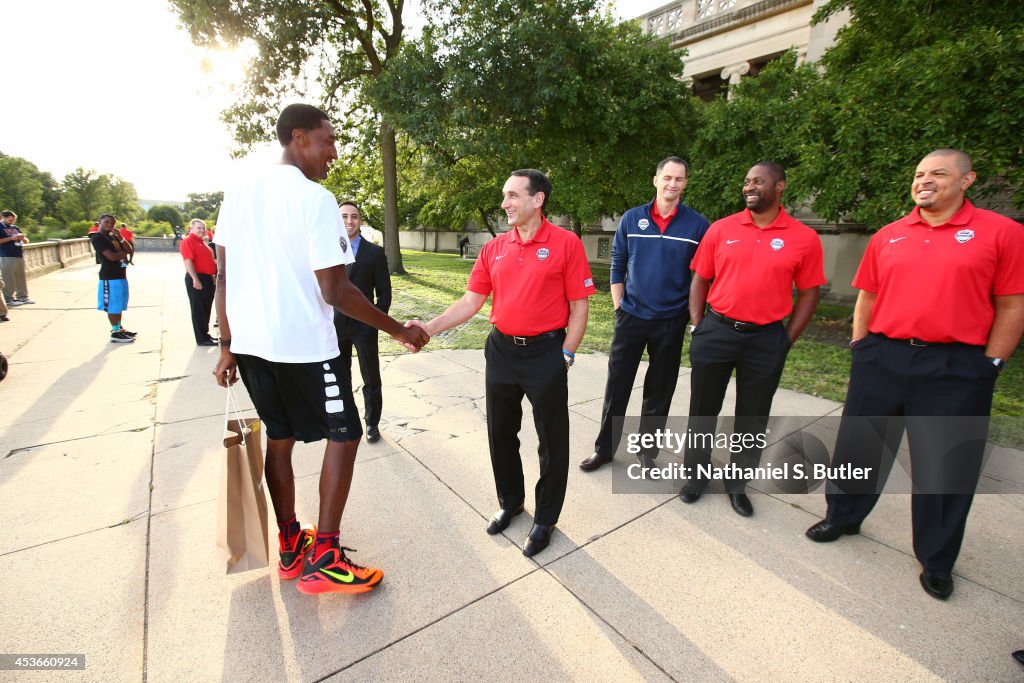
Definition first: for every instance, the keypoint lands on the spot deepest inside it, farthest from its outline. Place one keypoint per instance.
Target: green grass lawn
(818, 364)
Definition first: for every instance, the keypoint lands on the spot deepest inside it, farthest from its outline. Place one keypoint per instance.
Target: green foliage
(329, 48)
(124, 200)
(165, 213)
(20, 189)
(150, 228)
(86, 195)
(562, 88)
(203, 205)
(77, 229)
(767, 118)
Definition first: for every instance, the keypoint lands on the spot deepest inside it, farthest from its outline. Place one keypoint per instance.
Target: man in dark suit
(370, 274)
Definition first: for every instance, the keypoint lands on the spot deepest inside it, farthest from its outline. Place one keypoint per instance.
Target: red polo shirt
(662, 221)
(195, 248)
(755, 269)
(937, 283)
(532, 282)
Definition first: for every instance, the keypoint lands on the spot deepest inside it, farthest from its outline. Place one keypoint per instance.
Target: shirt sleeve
(811, 271)
(225, 221)
(866, 278)
(327, 241)
(579, 283)
(620, 253)
(704, 260)
(1009, 277)
(186, 250)
(480, 277)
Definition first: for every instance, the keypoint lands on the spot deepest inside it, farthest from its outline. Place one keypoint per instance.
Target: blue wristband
(569, 353)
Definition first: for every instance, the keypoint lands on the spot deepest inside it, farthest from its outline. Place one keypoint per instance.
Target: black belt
(525, 341)
(914, 341)
(737, 325)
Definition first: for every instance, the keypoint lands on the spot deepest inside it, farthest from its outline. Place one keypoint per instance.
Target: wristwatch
(999, 363)
(690, 328)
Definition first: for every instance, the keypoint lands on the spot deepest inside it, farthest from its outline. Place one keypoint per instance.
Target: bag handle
(231, 409)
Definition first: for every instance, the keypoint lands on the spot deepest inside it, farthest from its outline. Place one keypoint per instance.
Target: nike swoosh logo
(347, 577)
(898, 239)
(731, 241)
(499, 257)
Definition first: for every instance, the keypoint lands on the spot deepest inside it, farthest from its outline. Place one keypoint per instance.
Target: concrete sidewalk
(109, 459)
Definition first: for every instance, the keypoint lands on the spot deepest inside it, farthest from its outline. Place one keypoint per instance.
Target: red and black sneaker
(292, 555)
(333, 572)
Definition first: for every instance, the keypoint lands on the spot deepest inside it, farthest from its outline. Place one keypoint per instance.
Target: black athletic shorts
(307, 401)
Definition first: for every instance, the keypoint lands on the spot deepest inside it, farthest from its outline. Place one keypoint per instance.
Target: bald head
(960, 159)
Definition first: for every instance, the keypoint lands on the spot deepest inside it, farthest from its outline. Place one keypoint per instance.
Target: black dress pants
(758, 357)
(201, 303)
(663, 340)
(948, 389)
(538, 372)
(364, 338)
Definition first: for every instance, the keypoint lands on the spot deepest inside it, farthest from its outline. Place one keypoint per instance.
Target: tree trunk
(576, 225)
(485, 219)
(392, 244)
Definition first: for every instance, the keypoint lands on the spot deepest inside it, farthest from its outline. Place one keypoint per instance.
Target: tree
(906, 77)
(204, 205)
(562, 88)
(20, 190)
(769, 117)
(85, 195)
(346, 45)
(165, 213)
(124, 200)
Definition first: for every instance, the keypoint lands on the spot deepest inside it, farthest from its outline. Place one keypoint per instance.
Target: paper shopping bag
(241, 505)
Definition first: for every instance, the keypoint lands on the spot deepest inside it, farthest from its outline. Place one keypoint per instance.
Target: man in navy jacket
(650, 283)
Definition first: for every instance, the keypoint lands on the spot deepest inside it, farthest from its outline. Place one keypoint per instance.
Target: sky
(117, 86)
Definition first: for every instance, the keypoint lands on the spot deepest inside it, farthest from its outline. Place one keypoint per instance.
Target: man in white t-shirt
(276, 302)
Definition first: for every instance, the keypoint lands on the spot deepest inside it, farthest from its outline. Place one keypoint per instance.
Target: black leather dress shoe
(646, 461)
(1019, 656)
(594, 462)
(501, 519)
(372, 434)
(825, 531)
(741, 504)
(939, 585)
(691, 492)
(539, 538)
(207, 342)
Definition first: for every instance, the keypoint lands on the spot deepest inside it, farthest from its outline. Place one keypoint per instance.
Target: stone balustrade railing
(43, 257)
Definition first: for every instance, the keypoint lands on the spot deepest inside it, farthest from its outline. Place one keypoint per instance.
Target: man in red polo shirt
(745, 270)
(940, 311)
(540, 280)
(200, 269)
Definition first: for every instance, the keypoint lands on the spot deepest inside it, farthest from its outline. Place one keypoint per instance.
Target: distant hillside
(148, 204)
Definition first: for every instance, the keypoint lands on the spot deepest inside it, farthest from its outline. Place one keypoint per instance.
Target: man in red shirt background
(200, 268)
(540, 279)
(940, 311)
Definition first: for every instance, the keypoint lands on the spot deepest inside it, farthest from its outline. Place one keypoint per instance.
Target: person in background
(12, 261)
(200, 269)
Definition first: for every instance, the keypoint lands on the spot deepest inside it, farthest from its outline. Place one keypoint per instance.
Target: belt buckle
(519, 341)
(914, 341)
(737, 325)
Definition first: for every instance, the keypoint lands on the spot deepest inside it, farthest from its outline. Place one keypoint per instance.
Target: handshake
(414, 335)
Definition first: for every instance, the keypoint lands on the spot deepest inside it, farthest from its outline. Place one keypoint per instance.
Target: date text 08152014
(41, 662)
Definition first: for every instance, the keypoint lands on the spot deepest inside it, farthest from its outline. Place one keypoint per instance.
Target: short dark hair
(963, 160)
(106, 215)
(304, 116)
(7, 214)
(673, 160)
(352, 204)
(774, 168)
(538, 182)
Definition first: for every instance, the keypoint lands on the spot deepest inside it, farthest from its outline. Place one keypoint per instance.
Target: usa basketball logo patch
(964, 236)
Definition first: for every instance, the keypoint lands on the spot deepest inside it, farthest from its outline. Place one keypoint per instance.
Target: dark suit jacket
(370, 274)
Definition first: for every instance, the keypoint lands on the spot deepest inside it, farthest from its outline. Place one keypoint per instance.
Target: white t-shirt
(276, 230)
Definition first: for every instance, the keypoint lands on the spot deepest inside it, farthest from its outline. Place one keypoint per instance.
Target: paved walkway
(109, 458)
